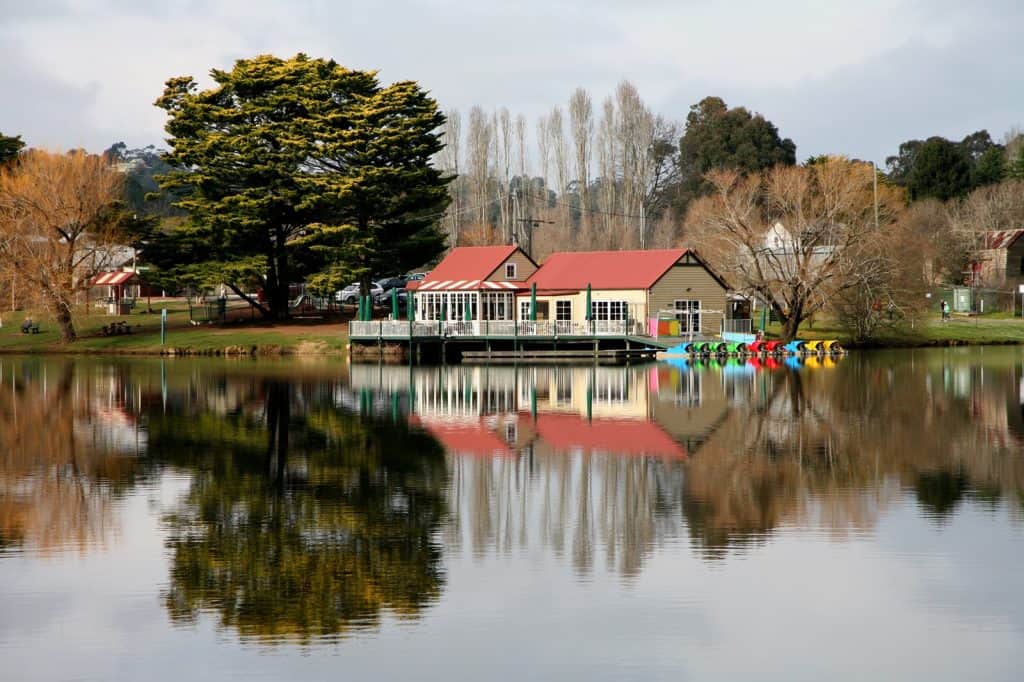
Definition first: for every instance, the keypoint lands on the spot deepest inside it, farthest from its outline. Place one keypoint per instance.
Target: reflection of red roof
(568, 432)
(1002, 239)
(466, 438)
(604, 269)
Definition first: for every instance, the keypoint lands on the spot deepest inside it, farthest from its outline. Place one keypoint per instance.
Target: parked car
(389, 283)
(350, 294)
(384, 299)
(416, 276)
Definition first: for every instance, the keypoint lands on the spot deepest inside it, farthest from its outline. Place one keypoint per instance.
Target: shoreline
(307, 350)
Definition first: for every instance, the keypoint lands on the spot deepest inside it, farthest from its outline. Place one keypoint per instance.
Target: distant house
(498, 283)
(1000, 263)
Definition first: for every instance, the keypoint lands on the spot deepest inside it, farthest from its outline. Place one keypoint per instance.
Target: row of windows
(599, 310)
(451, 305)
(499, 306)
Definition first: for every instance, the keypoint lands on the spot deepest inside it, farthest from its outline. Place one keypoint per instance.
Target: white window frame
(563, 311)
(524, 310)
(688, 314)
(609, 310)
(511, 271)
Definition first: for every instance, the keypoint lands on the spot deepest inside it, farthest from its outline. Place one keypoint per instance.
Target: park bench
(117, 328)
(28, 327)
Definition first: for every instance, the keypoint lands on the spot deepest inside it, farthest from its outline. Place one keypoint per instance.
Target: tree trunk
(62, 315)
(791, 322)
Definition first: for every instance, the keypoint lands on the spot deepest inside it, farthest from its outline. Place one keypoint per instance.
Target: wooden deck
(506, 341)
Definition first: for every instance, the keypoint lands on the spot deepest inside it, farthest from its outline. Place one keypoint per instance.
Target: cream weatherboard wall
(635, 299)
(690, 281)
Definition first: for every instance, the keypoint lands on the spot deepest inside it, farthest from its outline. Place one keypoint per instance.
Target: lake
(214, 519)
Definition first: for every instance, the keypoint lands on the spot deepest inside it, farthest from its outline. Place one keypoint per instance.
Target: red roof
(112, 278)
(1002, 239)
(469, 263)
(573, 270)
(567, 432)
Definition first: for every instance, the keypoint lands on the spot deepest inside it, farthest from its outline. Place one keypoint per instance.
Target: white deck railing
(403, 329)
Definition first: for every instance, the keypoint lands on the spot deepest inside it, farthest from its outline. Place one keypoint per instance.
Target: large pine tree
(299, 167)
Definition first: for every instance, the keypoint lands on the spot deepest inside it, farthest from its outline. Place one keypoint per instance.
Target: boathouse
(495, 298)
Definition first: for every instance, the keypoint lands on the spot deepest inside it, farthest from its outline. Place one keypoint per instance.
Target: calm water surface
(191, 520)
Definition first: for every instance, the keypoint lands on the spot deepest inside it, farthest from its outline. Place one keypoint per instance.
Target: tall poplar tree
(299, 167)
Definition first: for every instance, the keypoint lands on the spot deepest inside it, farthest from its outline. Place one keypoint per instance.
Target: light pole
(874, 186)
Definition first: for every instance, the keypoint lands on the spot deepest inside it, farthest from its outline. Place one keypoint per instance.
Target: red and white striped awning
(467, 285)
(112, 278)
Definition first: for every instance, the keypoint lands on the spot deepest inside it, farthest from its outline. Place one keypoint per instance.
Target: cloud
(855, 78)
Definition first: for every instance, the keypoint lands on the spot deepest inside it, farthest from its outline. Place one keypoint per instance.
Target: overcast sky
(854, 78)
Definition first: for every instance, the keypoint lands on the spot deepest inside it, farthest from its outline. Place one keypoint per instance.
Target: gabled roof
(467, 264)
(1002, 239)
(573, 270)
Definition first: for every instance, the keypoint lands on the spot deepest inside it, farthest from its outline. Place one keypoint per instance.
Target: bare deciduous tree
(581, 123)
(450, 159)
(57, 224)
(479, 171)
(984, 211)
(795, 237)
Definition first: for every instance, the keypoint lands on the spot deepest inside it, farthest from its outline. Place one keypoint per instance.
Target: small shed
(115, 284)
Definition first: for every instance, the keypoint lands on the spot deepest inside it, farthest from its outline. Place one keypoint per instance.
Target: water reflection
(320, 502)
(606, 464)
(302, 521)
(68, 450)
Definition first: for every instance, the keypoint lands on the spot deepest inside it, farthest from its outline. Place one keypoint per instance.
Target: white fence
(738, 326)
(397, 329)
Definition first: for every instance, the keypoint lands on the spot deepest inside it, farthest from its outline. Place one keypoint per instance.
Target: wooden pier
(610, 356)
(605, 342)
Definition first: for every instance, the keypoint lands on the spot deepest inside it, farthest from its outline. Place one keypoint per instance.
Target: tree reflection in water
(68, 446)
(832, 449)
(301, 521)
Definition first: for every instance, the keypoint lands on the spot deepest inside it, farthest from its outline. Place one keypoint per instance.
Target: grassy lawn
(997, 328)
(298, 336)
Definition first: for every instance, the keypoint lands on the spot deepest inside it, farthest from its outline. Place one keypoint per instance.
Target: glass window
(510, 270)
(563, 311)
(688, 314)
(524, 310)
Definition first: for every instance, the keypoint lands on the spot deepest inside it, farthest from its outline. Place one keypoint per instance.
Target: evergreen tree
(941, 169)
(719, 137)
(9, 147)
(300, 166)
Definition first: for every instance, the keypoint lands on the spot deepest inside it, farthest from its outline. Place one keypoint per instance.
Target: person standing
(945, 310)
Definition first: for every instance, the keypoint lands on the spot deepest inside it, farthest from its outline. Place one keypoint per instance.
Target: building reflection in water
(605, 464)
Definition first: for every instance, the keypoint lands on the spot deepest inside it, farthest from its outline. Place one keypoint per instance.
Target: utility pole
(874, 184)
(643, 226)
(529, 224)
